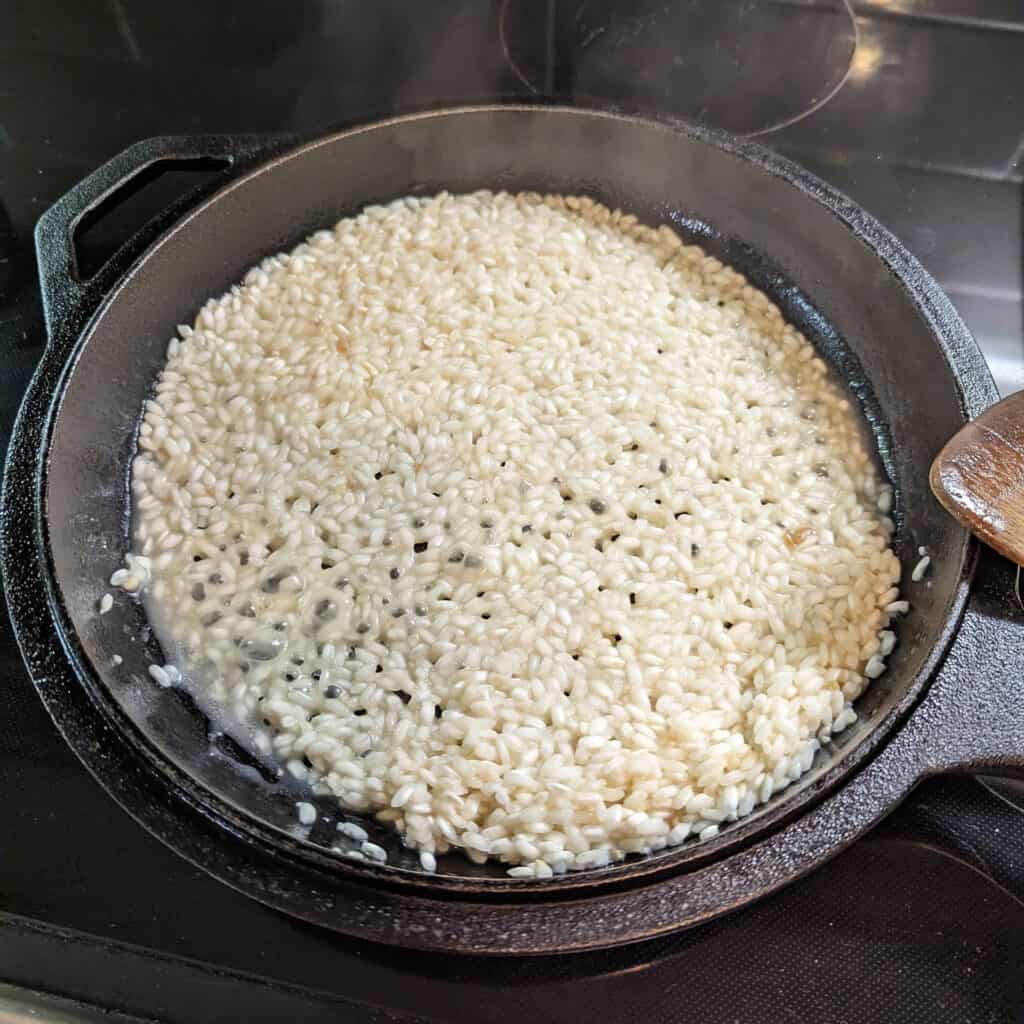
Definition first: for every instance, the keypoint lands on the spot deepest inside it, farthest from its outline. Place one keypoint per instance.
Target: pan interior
(828, 282)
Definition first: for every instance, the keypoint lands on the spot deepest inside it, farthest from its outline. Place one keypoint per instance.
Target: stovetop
(913, 107)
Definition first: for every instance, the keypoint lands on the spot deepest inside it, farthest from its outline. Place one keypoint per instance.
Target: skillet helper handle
(71, 297)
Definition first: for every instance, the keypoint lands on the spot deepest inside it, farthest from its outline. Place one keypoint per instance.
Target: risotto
(517, 524)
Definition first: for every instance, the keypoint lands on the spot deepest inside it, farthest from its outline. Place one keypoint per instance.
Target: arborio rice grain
(533, 530)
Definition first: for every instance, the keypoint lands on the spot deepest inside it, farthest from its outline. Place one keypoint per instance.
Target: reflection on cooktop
(722, 64)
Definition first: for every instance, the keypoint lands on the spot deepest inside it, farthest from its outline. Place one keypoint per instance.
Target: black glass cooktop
(913, 107)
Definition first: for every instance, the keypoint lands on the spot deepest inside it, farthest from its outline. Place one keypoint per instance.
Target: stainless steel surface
(27, 1006)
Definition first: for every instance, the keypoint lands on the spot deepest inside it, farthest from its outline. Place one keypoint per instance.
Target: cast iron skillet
(950, 699)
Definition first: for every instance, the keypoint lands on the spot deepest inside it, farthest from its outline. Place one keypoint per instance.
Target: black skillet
(952, 698)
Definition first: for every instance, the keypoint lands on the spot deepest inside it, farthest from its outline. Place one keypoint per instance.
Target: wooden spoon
(979, 477)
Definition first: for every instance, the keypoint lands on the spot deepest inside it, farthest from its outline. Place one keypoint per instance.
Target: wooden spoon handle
(979, 477)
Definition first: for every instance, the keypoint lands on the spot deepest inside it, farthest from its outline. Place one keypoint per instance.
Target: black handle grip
(972, 718)
(69, 297)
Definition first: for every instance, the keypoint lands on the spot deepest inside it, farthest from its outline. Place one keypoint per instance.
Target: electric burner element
(748, 66)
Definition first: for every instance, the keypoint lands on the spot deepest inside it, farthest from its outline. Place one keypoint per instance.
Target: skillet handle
(69, 296)
(972, 718)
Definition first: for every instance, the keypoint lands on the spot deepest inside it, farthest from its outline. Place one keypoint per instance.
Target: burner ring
(724, 64)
